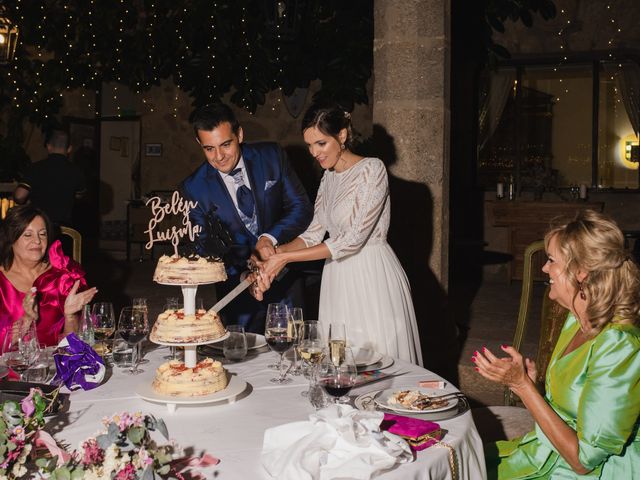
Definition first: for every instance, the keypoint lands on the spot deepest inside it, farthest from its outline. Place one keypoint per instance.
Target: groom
(255, 194)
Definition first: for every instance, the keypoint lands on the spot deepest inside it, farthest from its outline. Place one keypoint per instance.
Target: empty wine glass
(172, 303)
(310, 347)
(133, 327)
(279, 334)
(140, 303)
(234, 347)
(337, 378)
(104, 324)
(20, 347)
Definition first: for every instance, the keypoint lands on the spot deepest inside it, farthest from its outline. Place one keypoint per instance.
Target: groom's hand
(264, 248)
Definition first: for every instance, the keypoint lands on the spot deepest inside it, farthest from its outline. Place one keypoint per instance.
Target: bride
(363, 283)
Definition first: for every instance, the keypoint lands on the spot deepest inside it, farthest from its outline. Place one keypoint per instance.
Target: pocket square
(269, 183)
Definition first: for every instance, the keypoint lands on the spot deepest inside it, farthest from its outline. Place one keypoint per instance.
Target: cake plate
(235, 387)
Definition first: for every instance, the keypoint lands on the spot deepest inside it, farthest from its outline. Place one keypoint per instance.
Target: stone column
(411, 103)
(411, 132)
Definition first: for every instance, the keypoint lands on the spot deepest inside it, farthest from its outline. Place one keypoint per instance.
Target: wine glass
(276, 309)
(279, 333)
(310, 347)
(104, 324)
(298, 319)
(235, 346)
(20, 347)
(133, 326)
(337, 341)
(140, 303)
(337, 378)
(172, 303)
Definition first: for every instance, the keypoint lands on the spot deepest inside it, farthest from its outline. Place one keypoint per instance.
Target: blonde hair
(593, 243)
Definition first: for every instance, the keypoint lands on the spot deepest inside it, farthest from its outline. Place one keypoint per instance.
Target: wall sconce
(629, 151)
(8, 38)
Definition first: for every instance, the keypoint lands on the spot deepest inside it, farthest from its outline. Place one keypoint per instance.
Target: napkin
(336, 442)
(420, 434)
(77, 364)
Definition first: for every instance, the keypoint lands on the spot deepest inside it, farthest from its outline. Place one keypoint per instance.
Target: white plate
(254, 341)
(192, 344)
(365, 357)
(383, 400)
(385, 362)
(235, 387)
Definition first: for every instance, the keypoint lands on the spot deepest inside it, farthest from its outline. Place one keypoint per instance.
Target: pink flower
(127, 473)
(18, 432)
(92, 453)
(27, 404)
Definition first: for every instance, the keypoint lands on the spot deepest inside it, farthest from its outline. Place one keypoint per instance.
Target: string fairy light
(211, 73)
(245, 35)
(150, 18)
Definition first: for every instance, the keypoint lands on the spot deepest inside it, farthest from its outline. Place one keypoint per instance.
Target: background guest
(587, 421)
(27, 260)
(53, 184)
(363, 284)
(256, 196)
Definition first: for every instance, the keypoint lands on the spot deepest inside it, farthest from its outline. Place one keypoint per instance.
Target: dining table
(232, 430)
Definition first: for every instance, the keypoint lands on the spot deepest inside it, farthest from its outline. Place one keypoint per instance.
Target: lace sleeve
(316, 230)
(371, 193)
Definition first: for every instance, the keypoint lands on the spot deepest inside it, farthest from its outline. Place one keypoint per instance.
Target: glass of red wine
(338, 374)
(133, 327)
(280, 335)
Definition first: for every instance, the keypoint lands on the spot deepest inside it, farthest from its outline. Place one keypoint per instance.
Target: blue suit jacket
(283, 207)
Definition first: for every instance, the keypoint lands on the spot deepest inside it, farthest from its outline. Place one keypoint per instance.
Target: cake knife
(242, 286)
(224, 301)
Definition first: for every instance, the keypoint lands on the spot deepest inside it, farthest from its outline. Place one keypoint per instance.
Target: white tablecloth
(234, 432)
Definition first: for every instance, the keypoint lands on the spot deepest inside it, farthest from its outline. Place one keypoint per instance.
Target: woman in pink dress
(38, 283)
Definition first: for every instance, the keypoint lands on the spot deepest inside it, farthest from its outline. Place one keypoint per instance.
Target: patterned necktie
(243, 194)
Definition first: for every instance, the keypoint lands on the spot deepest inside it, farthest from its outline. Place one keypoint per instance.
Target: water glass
(235, 346)
(42, 369)
(133, 327)
(20, 347)
(122, 353)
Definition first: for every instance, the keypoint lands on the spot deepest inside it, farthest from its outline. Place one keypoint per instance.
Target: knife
(224, 301)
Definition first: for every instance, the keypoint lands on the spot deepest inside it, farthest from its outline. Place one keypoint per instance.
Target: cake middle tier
(173, 326)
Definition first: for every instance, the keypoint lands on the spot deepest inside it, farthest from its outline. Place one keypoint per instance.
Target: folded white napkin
(337, 442)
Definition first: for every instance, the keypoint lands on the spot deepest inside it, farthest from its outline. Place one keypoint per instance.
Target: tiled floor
(492, 321)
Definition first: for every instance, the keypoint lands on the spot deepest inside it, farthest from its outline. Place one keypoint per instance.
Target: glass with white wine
(311, 346)
(104, 324)
(337, 342)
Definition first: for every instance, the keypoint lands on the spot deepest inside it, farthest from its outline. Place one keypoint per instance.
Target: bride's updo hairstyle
(593, 243)
(330, 118)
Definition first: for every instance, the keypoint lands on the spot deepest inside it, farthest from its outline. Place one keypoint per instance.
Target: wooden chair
(77, 242)
(510, 421)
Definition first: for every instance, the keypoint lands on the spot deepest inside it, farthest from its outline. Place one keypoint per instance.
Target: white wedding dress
(363, 283)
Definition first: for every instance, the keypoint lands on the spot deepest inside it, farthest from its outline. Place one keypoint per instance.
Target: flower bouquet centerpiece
(125, 450)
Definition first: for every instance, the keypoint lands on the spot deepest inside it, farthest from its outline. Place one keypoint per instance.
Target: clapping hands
(513, 371)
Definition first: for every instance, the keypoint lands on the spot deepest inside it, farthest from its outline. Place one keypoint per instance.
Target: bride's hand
(273, 266)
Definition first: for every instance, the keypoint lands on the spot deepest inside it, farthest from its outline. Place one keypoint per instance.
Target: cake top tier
(192, 270)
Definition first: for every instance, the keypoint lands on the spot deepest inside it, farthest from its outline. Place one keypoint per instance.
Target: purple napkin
(77, 364)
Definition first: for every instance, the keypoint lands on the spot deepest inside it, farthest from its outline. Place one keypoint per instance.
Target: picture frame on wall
(152, 149)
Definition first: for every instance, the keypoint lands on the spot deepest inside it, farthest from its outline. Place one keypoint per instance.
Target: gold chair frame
(77, 242)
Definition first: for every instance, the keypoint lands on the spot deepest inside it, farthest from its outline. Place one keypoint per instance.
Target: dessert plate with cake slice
(415, 400)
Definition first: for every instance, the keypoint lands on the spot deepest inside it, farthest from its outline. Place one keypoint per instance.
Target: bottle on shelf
(87, 333)
(512, 188)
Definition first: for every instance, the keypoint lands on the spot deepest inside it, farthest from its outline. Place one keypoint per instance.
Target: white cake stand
(236, 385)
(189, 308)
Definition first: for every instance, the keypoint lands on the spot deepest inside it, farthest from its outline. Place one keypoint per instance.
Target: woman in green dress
(587, 421)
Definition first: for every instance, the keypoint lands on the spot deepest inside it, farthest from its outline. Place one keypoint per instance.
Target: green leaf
(42, 462)
(62, 473)
(77, 474)
(162, 428)
(11, 446)
(164, 469)
(136, 434)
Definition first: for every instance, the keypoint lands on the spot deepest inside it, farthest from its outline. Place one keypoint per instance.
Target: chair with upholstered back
(77, 242)
(510, 421)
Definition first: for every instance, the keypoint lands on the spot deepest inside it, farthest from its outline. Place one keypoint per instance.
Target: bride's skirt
(369, 293)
